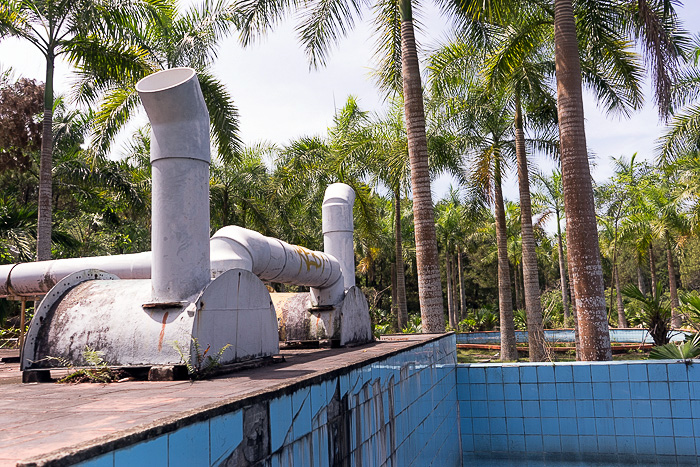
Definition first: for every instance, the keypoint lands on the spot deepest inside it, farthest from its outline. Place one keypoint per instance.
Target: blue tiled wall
(400, 411)
(609, 410)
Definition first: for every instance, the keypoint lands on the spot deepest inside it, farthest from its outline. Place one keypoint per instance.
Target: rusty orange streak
(162, 331)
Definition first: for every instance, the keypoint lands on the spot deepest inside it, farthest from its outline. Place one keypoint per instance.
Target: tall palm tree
(323, 23)
(85, 32)
(167, 39)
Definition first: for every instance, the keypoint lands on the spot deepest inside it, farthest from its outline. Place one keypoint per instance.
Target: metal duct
(338, 229)
(180, 173)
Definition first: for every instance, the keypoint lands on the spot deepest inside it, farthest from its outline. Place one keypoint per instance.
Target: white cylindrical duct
(271, 259)
(180, 173)
(338, 229)
(30, 279)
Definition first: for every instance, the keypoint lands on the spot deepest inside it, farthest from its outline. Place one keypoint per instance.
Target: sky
(280, 98)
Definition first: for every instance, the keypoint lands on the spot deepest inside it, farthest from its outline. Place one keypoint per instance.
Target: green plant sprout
(204, 365)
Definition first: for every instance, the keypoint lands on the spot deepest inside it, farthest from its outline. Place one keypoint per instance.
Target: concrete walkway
(47, 424)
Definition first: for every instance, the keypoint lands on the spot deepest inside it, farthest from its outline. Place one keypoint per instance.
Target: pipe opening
(165, 79)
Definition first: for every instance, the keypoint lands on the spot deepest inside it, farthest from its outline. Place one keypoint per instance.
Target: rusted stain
(310, 258)
(162, 331)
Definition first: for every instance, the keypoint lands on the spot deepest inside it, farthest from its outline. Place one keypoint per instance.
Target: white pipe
(180, 173)
(338, 229)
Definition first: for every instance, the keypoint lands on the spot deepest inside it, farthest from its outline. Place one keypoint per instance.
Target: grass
(492, 356)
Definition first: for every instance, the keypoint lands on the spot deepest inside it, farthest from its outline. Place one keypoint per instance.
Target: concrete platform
(55, 424)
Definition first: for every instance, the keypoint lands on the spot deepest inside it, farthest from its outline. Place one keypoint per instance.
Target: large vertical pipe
(180, 172)
(338, 229)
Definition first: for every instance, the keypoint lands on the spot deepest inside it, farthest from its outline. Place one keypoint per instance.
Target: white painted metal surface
(338, 229)
(180, 173)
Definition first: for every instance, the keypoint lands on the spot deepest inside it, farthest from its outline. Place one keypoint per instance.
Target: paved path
(41, 423)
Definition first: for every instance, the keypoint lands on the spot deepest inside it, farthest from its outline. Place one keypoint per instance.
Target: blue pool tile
(478, 392)
(499, 443)
(225, 433)
(516, 443)
(545, 374)
(619, 372)
(679, 390)
(189, 446)
(148, 453)
(638, 371)
(477, 375)
(497, 426)
(530, 391)
(657, 372)
(532, 426)
(514, 409)
(462, 375)
(603, 408)
(680, 408)
(583, 390)
(665, 445)
(641, 408)
(625, 444)
(482, 443)
(569, 443)
(549, 408)
(494, 375)
(659, 390)
(106, 460)
(567, 426)
(584, 408)
(511, 374)
(318, 398)
(602, 391)
(622, 408)
(663, 427)
(693, 372)
(515, 426)
(481, 425)
(645, 445)
(639, 390)
(563, 374)
(600, 373)
(497, 409)
(531, 409)
(582, 373)
(660, 408)
(467, 443)
(644, 426)
(604, 427)
(588, 444)
(586, 426)
(465, 409)
(682, 427)
(547, 391)
(494, 391)
(533, 443)
(566, 408)
(624, 426)
(685, 446)
(677, 372)
(606, 444)
(528, 374)
(551, 443)
(511, 392)
(620, 390)
(550, 426)
(479, 408)
(565, 390)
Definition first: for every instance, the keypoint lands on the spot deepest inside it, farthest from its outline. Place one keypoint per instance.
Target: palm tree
(84, 31)
(167, 39)
(322, 25)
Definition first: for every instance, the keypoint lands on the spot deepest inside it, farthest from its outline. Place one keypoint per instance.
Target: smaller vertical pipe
(22, 315)
(338, 229)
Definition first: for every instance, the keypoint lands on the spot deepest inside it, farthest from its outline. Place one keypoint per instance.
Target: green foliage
(482, 319)
(204, 364)
(98, 371)
(681, 350)
(654, 314)
(414, 325)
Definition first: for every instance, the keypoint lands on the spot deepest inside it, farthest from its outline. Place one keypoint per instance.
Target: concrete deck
(58, 424)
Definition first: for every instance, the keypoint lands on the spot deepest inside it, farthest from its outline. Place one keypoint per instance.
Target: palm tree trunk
(429, 286)
(652, 268)
(505, 300)
(516, 284)
(43, 243)
(673, 290)
(531, 283)
(462, 291)
(621, 318)
(455, 291)
(562, 275)
(640, 276)
(448, 277)
(400, 274)
(584, 252)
